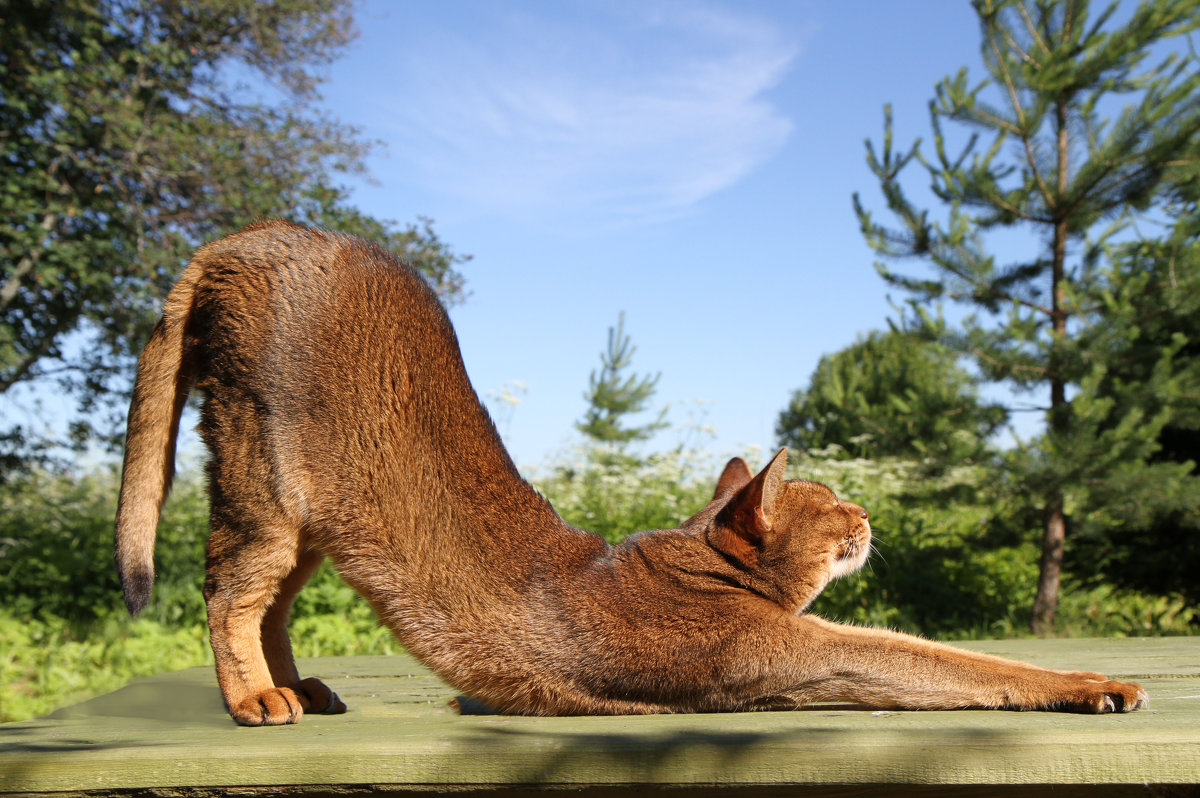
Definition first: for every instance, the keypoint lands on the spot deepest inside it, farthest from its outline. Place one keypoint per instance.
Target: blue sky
(691, 164)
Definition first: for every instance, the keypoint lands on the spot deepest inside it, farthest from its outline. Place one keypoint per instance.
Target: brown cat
(341, 424)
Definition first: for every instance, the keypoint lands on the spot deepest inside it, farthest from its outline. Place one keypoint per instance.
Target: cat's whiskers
(876, 543)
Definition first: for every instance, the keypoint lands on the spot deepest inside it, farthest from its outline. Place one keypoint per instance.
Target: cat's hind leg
(314, 695)
(245, 572)
(258, 558)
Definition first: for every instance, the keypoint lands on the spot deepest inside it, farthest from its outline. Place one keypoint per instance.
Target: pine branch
(1023, 130)
(1033, 32)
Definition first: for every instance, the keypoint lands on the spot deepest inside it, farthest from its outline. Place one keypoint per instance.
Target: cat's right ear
(734, 477)
(747, 519)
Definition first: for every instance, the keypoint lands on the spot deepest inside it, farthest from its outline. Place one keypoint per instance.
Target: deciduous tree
(130, 132)
(891, 395)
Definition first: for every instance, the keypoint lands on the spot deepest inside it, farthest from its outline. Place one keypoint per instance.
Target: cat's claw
(1141, 700)
(1123, 701)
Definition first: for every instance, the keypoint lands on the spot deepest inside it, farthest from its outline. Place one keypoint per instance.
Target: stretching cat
(341, 424)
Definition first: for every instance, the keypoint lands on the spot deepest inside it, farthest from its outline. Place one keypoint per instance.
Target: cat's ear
(735, 476)
(747, 518)
(760, 493)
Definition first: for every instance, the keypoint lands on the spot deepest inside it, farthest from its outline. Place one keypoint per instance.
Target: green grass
(45, 664)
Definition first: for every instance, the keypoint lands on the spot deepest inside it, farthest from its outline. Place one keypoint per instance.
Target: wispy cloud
(618, 112)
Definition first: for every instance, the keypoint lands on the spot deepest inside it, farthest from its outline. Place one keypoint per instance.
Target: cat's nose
(863, 514)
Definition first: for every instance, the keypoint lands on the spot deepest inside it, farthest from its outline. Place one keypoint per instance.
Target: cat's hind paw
(318, 698)
(274, 707)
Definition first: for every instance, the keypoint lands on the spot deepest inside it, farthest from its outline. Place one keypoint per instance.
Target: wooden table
(169, 735)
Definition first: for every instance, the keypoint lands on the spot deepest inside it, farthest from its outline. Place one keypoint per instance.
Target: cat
(340, 423)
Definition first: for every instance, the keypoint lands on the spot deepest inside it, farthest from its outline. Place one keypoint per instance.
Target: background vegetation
(1090, 528)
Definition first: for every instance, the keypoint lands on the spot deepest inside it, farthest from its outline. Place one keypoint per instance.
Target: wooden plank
(171, 732)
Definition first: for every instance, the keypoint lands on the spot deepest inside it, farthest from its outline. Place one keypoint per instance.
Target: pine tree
(1144, 532)
(612, 396)
(1058, 170)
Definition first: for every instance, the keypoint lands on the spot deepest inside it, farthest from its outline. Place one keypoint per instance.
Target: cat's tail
(165, 375)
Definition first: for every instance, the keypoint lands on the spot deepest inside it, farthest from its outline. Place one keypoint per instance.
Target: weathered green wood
(170, 733)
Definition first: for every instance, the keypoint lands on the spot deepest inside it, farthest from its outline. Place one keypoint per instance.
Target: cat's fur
(341, 424)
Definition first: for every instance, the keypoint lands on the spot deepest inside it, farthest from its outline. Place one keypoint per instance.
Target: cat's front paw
(1101, 698)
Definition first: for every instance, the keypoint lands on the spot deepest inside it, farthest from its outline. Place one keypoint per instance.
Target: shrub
(615, 495)
(56, 544)
(46, 663)
(952, 560)
(64, 632)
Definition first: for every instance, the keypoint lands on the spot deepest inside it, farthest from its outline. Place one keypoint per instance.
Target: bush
(615, 495)
(64, 632)
(56, 549)
(951, 560)
(46, 663)
(56, 546)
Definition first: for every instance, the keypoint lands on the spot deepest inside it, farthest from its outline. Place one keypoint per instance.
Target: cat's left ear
(747, 519)
(735, 474)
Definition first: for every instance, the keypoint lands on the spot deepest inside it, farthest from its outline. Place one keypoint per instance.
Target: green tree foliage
(1145, 530)
(130, 132)
(613, 396)
(1053, 167)
(890, 395)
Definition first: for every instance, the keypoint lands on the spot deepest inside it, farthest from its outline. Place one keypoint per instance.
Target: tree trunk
(1045, 603)
(1054, 535)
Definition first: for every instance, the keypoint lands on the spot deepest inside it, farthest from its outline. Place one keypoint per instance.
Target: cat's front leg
(881, 668)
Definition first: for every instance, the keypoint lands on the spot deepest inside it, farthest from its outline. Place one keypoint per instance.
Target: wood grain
(170, 733)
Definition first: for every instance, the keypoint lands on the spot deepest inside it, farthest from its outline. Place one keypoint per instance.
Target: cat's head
(789, 536)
